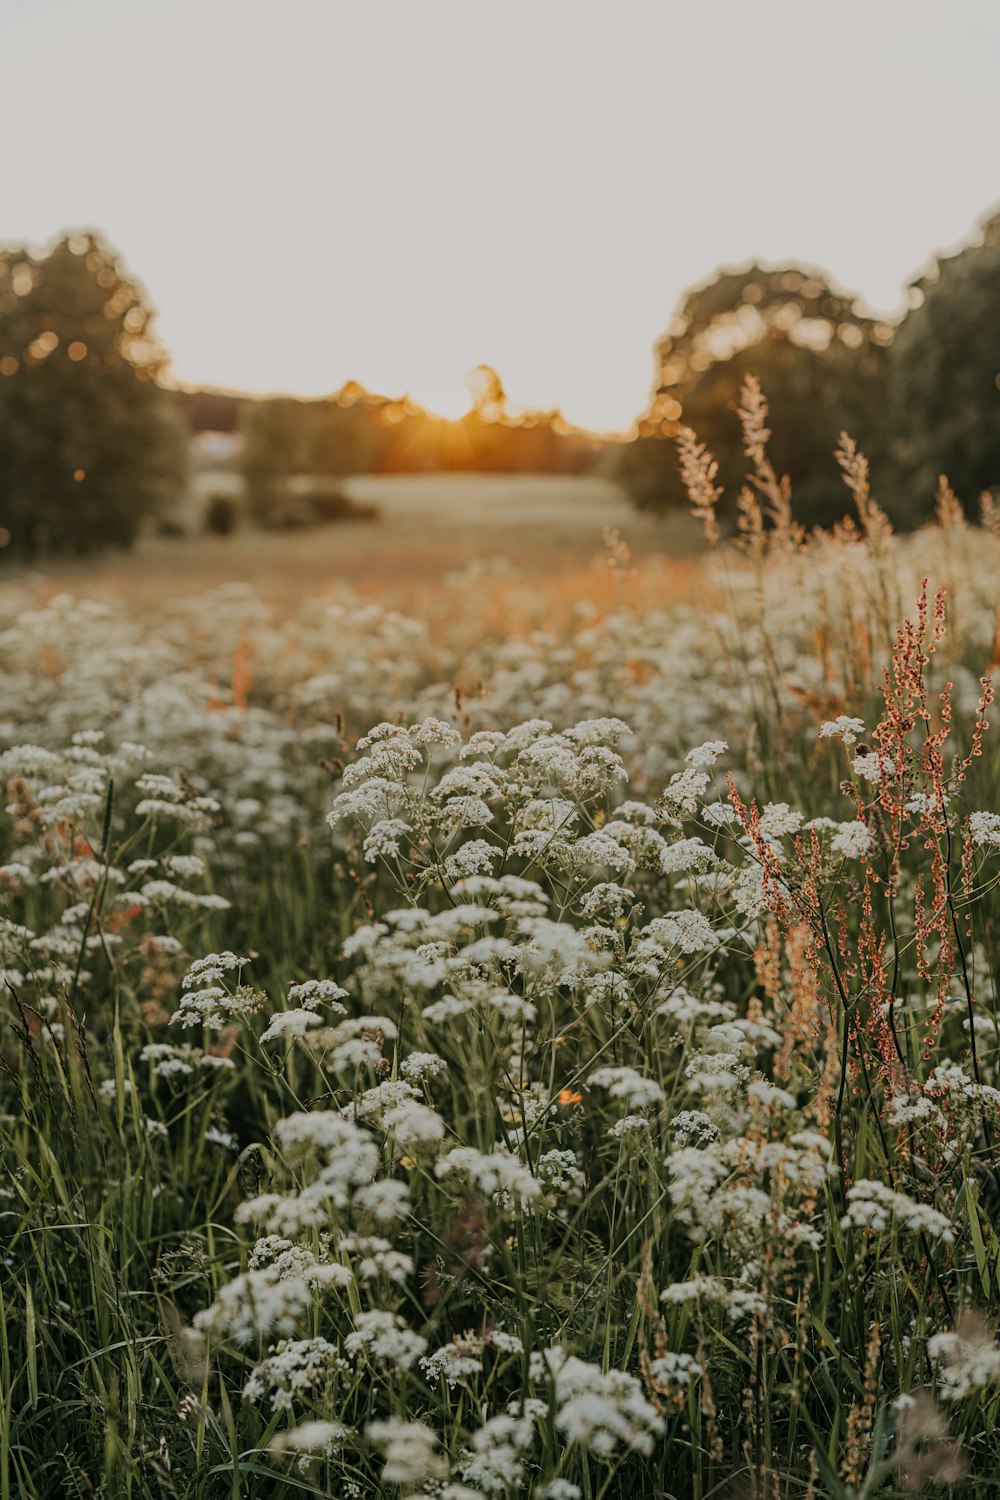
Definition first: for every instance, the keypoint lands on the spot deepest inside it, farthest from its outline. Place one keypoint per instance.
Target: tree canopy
(821, 359)
(946, 374)
(89, 442)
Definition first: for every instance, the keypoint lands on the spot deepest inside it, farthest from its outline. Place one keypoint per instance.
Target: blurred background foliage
(945, 387)
(90, 442)
(823, 364)
(95, 445)
(919, 395)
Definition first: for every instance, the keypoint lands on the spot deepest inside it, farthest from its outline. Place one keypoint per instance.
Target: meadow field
(489, 1010)
(539, 526)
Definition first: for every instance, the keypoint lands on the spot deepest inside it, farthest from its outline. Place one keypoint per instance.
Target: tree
(346, 433)
(292, 447)
(274, 451)
(819, 358)
(89, 443)
(945, 374)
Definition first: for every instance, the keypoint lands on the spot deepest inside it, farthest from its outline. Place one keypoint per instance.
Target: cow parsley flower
(384, 839)
(628, 1125)
(465, 812)
(475, 857)
(984, 827)
(769, 1095)
(294, 1367)
(695, 1289)
(448, 1008)
(311, 993)
(420, 1066)
(559, 1489)
(778, 820)
(315, 1437)
(872, 767)
(845, 728)
(707, 754)
(719, 814)
(385, 1199)
(626, 1084)
(688, 931)
(496, 1457)
(852, 840)
(167, 1060)
(874, 1206)
(681, 797)
(410, 1451)
(905, 1109)
(286, 1025)
(968, 1358)
(256, 1304)
(376, 1258)
(435, 732)
(674, 1369)
(596, 1409)
(454, 1362)
(383, 1336)
(693, 1126)
(413, 1123)
(503, 1177)
(212, 969)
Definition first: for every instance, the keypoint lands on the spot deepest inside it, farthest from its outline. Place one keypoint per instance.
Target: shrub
(221, 515)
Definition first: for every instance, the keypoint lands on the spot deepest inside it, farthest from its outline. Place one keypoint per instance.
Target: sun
(444, 393)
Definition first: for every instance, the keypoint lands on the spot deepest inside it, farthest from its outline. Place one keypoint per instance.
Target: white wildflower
(410, 1451)
(384, 839)
(673, 1369)
(319, 1436)
(984, 828)
(286, 1025)
(968, 1358)
(626, 1084)
(844, 728)
(598, 1410)
(496, 1173)
(312, 993)
(688, 931)
(454, 1362)
(475, 857)
(384, 1336)
(706, 754)
(852, 840)
(874, 1206)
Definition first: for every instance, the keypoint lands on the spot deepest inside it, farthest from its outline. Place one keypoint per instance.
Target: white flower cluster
(503, 1177)
(874, 1206)
(209, 1000)
(968, 1358)
(600, 1411)
(845, 728)
(984, 829)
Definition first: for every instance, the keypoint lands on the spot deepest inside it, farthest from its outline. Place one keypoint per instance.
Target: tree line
(94, 444)
(293, 446)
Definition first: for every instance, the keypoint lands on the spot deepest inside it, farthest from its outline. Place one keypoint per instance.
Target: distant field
(430, 527)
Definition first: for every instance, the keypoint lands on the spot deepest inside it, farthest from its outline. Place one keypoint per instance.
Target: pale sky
(396, 190)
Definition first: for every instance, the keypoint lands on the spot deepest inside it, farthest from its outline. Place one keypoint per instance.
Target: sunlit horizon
(395, 194)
